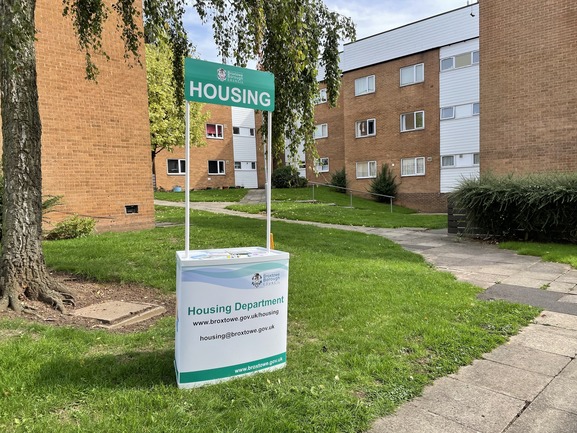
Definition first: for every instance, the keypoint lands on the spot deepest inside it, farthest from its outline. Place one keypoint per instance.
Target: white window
(322, 165)
(364, 85)
(460, 61)
(447, 113)
(476, 158)
(412, 74)
(476, 109)
(244, 165)
(237, 165)
(176, 166)
(239, 130)
(321, 97)
(216, 167)
(321, 131)
(214, 131)
(412, 121)
(448, 161)
(413, 166)
(366, 169)
(365, 128)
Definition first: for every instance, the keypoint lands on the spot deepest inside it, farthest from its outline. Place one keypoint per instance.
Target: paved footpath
(528, 385)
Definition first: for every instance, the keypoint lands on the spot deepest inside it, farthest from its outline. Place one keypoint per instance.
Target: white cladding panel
(452, 177)
(246, 178)
(243, 117)
(459, 136)
(244, 148)
(445, 29)
(459, 86)
(460, 48)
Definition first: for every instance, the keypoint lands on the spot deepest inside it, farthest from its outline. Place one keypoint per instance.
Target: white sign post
(231, 317)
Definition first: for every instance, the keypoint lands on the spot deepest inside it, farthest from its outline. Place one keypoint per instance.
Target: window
(244, 165)
(322, 165)
(366, 169)
(447, 113)
(214, 131)
(239, 130)
(216, 167)
(412, 74)
(460, 61)
(476, 109)
(176, 166)
(476, 159)
(365, 128)
(321, 97)
(412, 121)
(364, 85)
(321, 131)
(448, 161)
(413, 166)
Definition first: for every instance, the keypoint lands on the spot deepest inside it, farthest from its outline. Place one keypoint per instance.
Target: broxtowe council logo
(265, 279)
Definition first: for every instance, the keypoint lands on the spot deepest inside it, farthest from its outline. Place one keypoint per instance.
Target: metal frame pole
(187, 182)
(268, 180)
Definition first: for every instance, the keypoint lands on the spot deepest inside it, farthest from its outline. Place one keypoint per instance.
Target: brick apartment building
(528, 86)
(95, 136)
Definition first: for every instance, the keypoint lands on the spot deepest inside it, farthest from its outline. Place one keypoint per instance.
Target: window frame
(476, 156)
(218, 127)
(236, 130)
(414, 113)
(358, 128)
(219, 162)
(368, 166)
(473, 58)
(415, 79)
(478, 108)
(181, 164)
(452, 116)
(415, 165)
(324, 128)
(320, 166)
(322, 97)
(367, 86)
(443, 165)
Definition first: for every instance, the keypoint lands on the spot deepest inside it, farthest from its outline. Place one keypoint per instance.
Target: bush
(384, 184)
(339, 179)
(71, 228)
(287, 177)
(536, 207)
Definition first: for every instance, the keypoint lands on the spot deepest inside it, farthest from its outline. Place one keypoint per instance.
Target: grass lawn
(551, 252)
(335, 208)
(211, 195)
(369, 325)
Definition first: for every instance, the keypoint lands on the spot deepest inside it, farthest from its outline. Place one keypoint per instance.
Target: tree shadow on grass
(136, 369)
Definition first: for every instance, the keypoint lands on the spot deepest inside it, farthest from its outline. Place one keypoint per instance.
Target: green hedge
(531, 207)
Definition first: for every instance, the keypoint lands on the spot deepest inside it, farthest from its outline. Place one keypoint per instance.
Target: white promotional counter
(231, 314)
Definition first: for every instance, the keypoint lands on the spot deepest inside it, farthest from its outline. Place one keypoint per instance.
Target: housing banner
(231, 314)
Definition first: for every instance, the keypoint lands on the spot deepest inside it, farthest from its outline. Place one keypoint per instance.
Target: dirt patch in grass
(90, 293)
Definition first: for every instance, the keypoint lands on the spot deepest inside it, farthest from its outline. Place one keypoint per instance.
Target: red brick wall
(528, 85)
(390, 145)
(96, 140)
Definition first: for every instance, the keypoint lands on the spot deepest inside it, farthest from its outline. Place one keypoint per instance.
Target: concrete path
(528, 385)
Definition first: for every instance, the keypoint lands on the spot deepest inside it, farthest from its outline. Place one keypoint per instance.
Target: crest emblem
(221, 74)
(256, 280)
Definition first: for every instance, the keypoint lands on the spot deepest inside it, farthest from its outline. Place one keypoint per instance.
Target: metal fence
(350, 192)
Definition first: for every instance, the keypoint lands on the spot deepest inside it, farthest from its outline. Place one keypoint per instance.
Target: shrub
(287, 177)
(384, 184)
(73, 227)
(339, 178)
(537, 206)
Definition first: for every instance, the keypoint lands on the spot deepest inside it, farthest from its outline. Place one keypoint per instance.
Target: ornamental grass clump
(532, 207)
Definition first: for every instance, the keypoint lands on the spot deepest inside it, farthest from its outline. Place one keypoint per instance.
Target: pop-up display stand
(231, 315)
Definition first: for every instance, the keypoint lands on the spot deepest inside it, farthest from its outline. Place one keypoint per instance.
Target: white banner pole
(268, 180)
(187, 182)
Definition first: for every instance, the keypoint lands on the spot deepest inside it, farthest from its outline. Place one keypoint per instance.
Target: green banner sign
(214, 83)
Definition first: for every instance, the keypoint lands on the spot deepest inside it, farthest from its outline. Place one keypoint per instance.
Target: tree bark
(23, 272)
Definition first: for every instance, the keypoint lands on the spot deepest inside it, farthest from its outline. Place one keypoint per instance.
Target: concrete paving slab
(570, 372)
(569, 298)
(410, 419)
(476, 408)
(559, 320)
(511, 381)
(568, 277)
(549, 339)
(115, 314)
(556, 286)
(561, 395)
(521, 279)
(539, 418)
(550, 268)
(527, 358)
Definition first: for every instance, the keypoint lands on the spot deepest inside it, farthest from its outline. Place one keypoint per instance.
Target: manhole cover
(114, 314)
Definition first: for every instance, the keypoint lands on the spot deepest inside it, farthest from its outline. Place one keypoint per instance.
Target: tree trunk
(23, 272)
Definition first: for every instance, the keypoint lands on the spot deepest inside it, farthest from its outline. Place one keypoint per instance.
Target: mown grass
(369, 325)
(209, 195)
(551, 252)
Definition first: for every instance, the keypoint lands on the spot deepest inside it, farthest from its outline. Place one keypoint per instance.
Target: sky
(370, 17)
